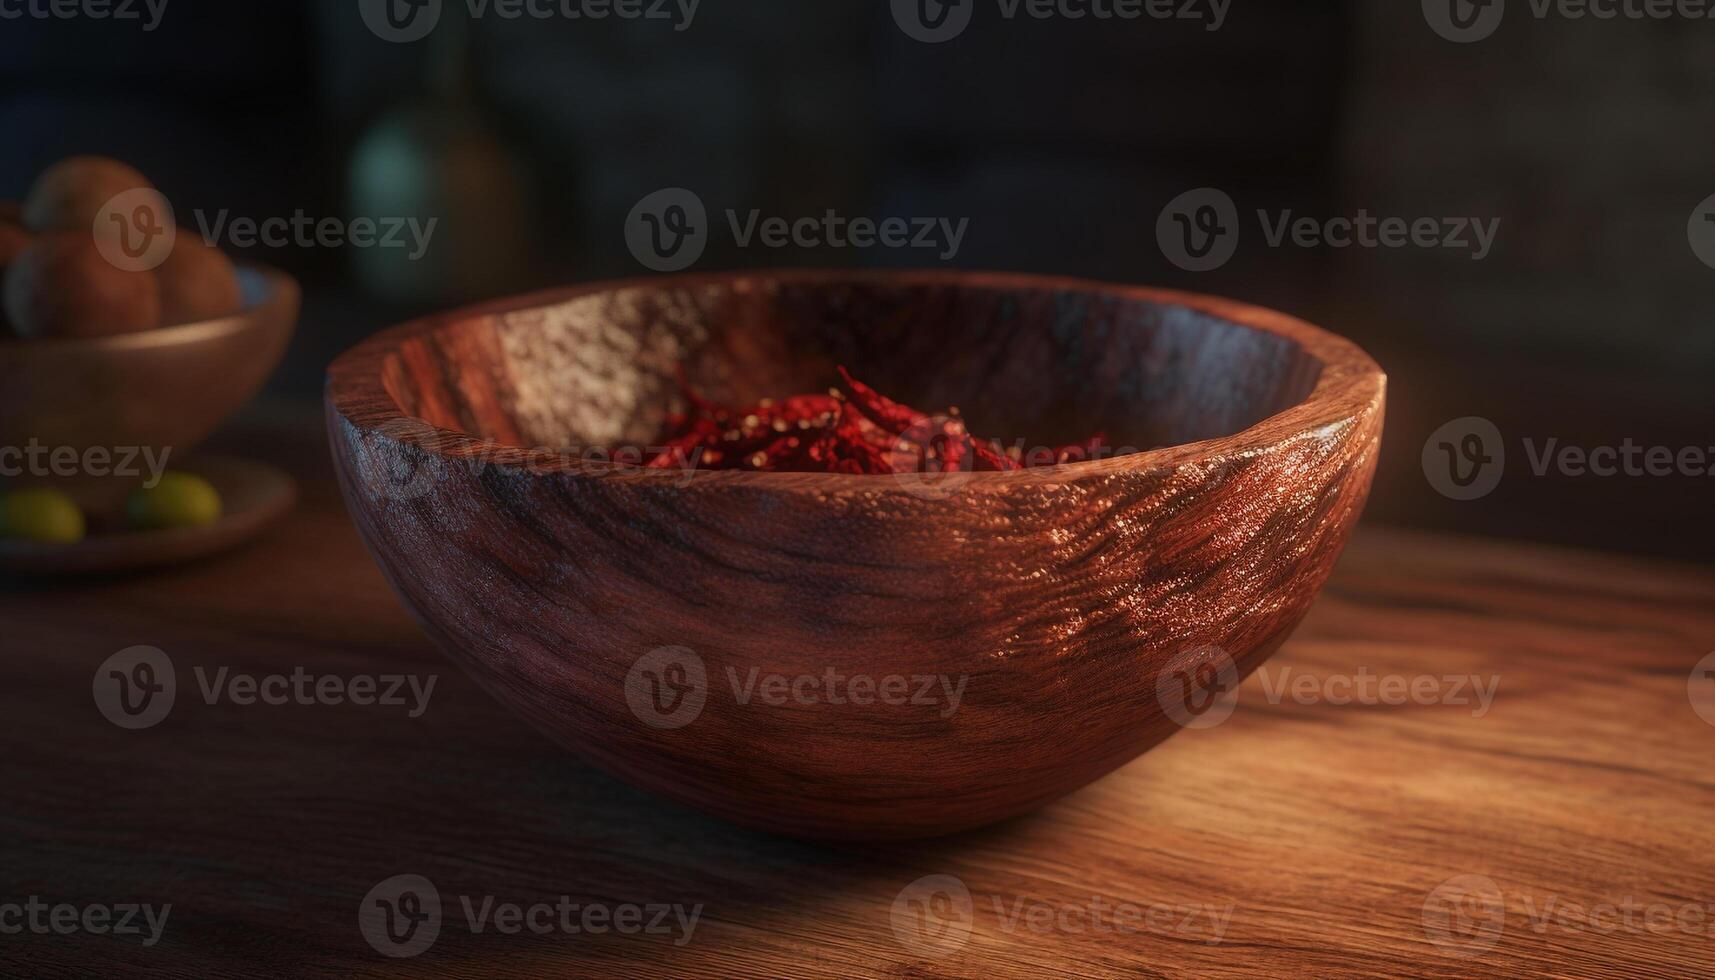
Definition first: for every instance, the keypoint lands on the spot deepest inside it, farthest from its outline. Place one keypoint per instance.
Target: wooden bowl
(639, 616)
(163, 389)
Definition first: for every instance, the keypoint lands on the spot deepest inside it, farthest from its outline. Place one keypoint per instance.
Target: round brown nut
(70, 194)
(62, 287)
(198, 282)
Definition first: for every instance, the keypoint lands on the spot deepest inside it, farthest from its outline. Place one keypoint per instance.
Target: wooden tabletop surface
(1537, 801)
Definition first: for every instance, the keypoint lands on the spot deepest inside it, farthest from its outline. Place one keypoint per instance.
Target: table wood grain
(1565, 830)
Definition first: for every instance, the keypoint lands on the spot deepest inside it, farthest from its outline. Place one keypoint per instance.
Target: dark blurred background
(1060, 140)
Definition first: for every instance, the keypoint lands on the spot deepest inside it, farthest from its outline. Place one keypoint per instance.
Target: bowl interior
(1031, 361)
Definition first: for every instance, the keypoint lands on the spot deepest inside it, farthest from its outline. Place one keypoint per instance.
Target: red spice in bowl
(856, 430)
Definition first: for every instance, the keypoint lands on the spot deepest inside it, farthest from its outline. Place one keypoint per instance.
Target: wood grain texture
(1326, 828)
(1031, 623)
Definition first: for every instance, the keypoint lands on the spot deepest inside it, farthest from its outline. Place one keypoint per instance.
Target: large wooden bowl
(624, 611)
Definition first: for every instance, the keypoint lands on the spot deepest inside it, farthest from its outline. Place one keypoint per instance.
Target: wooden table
(1300, 837)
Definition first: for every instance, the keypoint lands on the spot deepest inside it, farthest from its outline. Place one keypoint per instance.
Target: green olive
(179, 500)
(40, 515)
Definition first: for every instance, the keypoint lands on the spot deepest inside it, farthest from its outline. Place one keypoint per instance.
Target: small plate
(253, 496)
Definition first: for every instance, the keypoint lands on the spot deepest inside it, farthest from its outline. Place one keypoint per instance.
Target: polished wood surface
(1325, 828)
(1034, 621)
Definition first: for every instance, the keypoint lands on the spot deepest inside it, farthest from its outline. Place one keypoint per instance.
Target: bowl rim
(282, 293)
(1351, 388)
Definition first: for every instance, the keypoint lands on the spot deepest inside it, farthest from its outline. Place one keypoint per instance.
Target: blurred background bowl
(162, 389)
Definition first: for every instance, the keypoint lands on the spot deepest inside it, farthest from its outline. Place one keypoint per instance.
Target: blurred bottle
(439, 159)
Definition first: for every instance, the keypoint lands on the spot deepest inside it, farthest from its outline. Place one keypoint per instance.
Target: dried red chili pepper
(859, 432)
(883, 411)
